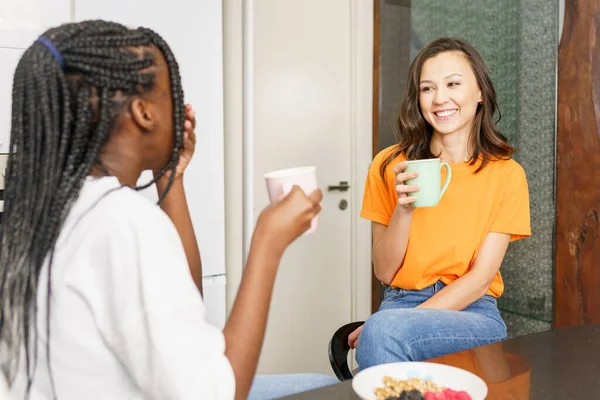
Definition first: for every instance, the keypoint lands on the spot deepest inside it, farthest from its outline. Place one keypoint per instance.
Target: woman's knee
(367, 341)
(380, 342)
(374, 329)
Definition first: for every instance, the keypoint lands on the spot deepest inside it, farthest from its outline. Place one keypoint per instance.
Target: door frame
(375, 284)
(361, 89)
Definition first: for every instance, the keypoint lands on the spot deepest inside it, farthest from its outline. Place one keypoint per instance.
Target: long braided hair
(69, 88)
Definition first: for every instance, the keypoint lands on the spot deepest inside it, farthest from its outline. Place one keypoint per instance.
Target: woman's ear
(141, 113)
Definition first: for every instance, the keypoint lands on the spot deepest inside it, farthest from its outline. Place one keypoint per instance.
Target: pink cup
(280, 183)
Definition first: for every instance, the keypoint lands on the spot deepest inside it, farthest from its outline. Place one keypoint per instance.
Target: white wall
(21, 22)
(9, 57)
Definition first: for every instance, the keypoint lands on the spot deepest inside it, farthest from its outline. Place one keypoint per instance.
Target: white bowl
(366, 381)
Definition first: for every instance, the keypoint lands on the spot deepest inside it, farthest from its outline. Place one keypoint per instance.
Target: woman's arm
(474, 284)
(390, 243)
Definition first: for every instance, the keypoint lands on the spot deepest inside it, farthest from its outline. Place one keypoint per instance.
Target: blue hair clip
(53, 50)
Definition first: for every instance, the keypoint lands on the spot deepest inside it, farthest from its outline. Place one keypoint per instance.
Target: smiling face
(449, 94)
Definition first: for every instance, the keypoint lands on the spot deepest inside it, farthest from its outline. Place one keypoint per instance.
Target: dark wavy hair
(414, 132)
(69, 88)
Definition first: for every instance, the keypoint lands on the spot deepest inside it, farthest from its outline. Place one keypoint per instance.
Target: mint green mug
(429, 181)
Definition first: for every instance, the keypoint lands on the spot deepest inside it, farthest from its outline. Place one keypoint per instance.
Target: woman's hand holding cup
(404, 191)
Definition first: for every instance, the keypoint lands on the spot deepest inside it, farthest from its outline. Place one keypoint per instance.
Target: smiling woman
(441, 264)
(449, 75)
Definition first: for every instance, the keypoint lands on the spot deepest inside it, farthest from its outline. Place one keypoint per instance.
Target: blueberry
(412, 395)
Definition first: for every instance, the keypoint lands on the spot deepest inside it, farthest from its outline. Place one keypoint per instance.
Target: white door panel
(302, 117)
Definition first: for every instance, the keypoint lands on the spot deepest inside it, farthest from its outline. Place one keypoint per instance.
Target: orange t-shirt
(444, 240)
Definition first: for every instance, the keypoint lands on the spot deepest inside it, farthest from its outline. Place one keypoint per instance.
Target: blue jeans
(401, 332)
(267, 387)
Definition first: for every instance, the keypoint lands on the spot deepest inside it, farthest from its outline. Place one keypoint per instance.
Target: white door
(302, 116)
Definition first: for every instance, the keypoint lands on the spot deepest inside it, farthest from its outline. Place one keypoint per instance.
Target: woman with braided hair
(97, 295)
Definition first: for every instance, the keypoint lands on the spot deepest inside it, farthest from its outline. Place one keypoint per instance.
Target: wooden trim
(577, 180)
(376, 29)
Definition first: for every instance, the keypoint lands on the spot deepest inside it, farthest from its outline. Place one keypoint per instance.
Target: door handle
(342, 187)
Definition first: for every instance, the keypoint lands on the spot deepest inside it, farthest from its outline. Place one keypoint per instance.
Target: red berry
(442, 396)
(450, 394)
(462, 396)
(435, 396)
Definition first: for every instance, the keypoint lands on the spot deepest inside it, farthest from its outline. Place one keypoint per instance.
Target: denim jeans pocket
(392, 293)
